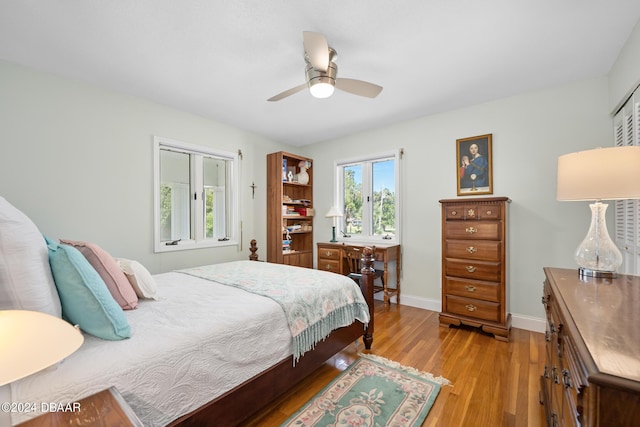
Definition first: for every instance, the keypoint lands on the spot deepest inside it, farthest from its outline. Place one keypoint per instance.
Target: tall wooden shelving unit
(289, 207)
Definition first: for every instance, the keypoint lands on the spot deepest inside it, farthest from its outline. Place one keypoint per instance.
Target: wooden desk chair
(353, 254)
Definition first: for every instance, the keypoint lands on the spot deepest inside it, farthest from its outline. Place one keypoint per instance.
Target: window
(369, 197)
(195, 201)
(626, 131)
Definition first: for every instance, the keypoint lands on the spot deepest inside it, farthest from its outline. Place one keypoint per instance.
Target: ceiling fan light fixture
(321, 72)
(322, 83)
(321, 89)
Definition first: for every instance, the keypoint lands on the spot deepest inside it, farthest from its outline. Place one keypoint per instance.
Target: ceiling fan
(321, 71)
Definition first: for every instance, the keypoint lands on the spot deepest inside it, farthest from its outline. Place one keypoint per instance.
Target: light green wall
(529, 132)
(78, 161)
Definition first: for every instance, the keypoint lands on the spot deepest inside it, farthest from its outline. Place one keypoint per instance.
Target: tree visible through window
(165, 212)
(352, 219)
(368, 196)
(384, 198)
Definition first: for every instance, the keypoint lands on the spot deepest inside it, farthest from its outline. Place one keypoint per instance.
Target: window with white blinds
(626, 130)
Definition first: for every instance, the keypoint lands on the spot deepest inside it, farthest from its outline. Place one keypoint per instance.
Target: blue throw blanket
(314, 302)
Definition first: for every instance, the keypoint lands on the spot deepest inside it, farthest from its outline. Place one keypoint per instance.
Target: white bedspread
(315, 302)
(187, 348)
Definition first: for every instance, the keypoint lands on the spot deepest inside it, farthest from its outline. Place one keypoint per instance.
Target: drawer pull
(327, 254)
(471, 307)
(489, 212)
(472, 250)
(470, 288)
(328, 267)
(454, 213)
(471, 212)
(470, 268)
(471, 230)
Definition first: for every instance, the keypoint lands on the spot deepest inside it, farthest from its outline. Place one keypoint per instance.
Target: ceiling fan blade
(316, 49)
(358, 87)
(288, 92)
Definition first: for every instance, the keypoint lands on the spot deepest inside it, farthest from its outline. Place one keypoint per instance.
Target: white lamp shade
(333, 212)
(31, 341)
(601, 174)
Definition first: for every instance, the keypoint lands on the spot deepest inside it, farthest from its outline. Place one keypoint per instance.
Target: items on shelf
(297, 227)
(284, 170)
(303, 176)
(291, 211)
(304, 211)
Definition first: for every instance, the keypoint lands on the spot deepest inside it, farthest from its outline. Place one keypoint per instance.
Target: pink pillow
(109, 271)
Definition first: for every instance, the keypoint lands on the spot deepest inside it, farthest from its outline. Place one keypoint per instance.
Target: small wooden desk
(331, 258)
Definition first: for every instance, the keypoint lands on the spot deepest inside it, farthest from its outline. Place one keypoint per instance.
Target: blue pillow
(85, 298)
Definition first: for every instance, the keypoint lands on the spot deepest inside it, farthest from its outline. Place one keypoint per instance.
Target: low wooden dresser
(474, 288)
(592, 368)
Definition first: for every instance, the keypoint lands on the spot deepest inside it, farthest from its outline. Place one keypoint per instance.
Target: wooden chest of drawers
(592, 363)
(474, 290)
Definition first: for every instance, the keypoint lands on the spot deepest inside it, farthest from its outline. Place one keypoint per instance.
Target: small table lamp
(602, 174)
(32, 341)
(334, 212)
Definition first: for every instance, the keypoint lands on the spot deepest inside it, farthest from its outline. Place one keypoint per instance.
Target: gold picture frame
(474, 165)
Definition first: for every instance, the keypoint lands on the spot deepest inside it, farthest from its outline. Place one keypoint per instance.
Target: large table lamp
(333, 213)
(594, 175)
(31, 341)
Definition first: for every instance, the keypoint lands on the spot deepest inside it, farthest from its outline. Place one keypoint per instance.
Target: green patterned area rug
(373, 391)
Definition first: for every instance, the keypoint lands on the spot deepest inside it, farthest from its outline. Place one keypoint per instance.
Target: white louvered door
(626, 129)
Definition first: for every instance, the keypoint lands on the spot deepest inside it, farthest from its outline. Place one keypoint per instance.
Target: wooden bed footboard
(248, 398)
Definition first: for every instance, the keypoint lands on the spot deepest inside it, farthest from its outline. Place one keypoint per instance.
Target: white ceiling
(223, 58)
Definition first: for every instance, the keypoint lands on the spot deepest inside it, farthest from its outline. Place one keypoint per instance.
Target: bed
(231, 407)
(203, 352)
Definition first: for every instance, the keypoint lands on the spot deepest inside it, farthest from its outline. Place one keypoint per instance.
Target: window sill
(191, 244)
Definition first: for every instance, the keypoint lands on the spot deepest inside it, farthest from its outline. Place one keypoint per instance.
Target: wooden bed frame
(248, 398)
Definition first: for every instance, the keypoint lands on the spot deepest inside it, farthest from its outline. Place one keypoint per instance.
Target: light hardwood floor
(494, 383)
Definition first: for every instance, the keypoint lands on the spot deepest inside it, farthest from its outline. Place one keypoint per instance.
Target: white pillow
(26, 282)
(139, 277)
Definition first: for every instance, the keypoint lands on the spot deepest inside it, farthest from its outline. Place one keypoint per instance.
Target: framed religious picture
(474, 165)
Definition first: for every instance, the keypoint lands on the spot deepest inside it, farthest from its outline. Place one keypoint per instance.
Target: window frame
(198, 238)
(367, 190)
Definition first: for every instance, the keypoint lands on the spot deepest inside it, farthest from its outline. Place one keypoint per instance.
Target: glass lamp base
(585, 272)
(598, 255)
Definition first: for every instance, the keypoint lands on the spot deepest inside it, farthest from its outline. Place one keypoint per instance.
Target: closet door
(626, 128)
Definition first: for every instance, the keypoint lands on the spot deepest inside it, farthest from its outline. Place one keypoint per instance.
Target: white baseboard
(519, 321)
(418, 302)
(528, 323)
